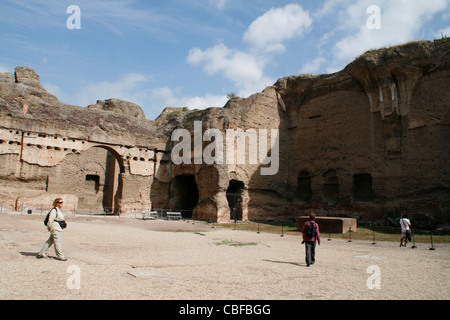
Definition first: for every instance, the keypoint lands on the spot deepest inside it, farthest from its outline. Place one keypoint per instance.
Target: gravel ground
(124, 258)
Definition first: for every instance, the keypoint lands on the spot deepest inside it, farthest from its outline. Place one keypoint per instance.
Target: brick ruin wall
(371, 142)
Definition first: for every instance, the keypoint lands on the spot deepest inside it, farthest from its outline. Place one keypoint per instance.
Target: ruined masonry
(369, 142)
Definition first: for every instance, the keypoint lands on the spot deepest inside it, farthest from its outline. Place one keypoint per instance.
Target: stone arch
(100, 182)
(117, 155)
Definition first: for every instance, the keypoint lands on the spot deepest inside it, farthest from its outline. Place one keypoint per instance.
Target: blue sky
(193, 53)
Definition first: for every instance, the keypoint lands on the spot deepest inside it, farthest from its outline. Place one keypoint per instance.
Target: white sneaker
(43, 256)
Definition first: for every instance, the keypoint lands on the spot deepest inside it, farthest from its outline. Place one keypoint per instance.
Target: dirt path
(120, 258)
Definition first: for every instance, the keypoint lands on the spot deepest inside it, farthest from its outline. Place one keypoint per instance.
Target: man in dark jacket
(309, 239)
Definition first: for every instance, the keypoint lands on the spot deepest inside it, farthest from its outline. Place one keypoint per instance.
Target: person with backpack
(311, 234)
(55, 224)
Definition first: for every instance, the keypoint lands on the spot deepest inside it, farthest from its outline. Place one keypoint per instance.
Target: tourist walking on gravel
(311, 234)
(405, 223)
(55, 226)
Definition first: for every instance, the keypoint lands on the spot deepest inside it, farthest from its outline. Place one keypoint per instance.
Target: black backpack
(47, 217)
(311, 230)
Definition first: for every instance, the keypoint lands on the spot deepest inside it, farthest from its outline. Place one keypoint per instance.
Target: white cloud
(128, 88)
(401, 21)
(244, 69)
(5, 69)
(53, 89)
(235, 65)
(134, 88)
(206, 101)
(169, 98)
(341, 27)
(269, 31)
(313, 66)
(218, 4)
(166, 95)
(330, 6)
(266, 35)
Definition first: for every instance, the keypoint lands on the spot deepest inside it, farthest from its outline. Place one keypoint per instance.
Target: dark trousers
(310, 247)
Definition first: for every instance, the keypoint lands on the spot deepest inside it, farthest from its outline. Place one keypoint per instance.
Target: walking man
(311, 234)
(405, 223)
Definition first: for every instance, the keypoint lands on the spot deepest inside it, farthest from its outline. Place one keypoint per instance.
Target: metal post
(414, 239)
(193, 222)
(258, 228)
(282, 231)
(432, 247)
(350, 233)
(374, 242)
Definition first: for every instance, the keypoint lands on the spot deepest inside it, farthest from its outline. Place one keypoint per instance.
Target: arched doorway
(234, 198)
(185, 195)
(99, 186)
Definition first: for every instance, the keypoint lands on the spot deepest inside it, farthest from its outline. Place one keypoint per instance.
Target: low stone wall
(330, 224)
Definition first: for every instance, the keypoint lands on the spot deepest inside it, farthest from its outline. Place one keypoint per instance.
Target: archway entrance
(185, 195)
(99, 186)
(234, 198)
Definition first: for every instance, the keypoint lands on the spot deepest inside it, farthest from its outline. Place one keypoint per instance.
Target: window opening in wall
(362, 187)
(331, 187)
(93, 180)
(304, 192)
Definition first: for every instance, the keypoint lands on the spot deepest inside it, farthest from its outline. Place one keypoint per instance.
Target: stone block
(330, 224)
(27, 76)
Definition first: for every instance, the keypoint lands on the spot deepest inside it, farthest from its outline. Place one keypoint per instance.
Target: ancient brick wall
(368, 142)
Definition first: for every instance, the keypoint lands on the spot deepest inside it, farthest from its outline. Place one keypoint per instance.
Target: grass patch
(362, 233)
(387, 234)
(235, 243)
(261, 227)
